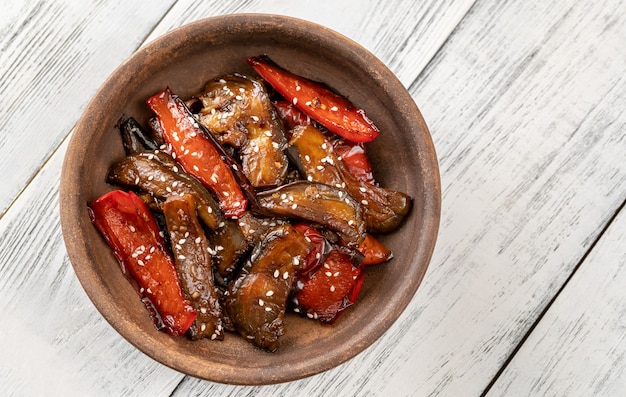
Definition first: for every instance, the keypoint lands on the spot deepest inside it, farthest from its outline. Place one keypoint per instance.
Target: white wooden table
(526, 102)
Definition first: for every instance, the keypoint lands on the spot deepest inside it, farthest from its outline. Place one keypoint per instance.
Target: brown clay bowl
(185, 59)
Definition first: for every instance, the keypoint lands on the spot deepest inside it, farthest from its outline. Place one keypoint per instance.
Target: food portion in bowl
(250, 199)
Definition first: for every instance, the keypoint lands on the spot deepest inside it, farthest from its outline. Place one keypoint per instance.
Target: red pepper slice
(318, 102)
(374, 251)
(356, 160)
(290, 115)
(196, 153)
(332, 288)
(132, 232)
(321, 248)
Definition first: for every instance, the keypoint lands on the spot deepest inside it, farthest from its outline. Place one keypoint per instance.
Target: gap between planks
(582, 260)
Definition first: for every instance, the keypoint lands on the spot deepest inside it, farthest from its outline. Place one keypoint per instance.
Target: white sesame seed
(332, 288)
(276, 273)
(186, 234)
(296, 310)
(364, 202)
(309, 315)
(209, 210)
(152, 249)
(174, 155)
(286, 275)
(350, 222)
(363, 189)
(214, 178)
(320, 167)
(268, 133)
(295, 100)
(326, 266)
(168, 189)
(225, 193)
(294, 206)
(136, 180)
(198, 240)
(175, 169)
(181, 256)
(151, 177)
(149, 291)
(195, 168)
(203, 310)
(336, 274)
(213, 336)
(296, 261)
(141, 290)
(238, 97)
(132, 228)
(328, 274)
(255, 118)
(162, 178)
(236, 204)
(178, 247)
(269, 293)
(203, 327)
(182, 241)
(334, 108)
(140, 262)
(148, 257)
(268, 309)
(251, 231)
(235, 167)
(261, 302)
(219, 248)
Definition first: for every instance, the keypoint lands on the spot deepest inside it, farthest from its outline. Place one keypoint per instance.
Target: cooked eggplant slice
(256, 300)
(229, 246)
(383, 209)
(134, 137)
(193, 264)
(238, 111)
(158, 175)
(319, 203)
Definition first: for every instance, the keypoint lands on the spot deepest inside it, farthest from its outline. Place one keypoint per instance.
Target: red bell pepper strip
(320, 250)
(200, 156)
(131, 231)
(318, 102)
(328, 291)
(356, 160)
(374, 251)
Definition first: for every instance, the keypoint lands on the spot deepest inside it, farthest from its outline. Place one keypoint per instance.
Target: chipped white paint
(525, 103)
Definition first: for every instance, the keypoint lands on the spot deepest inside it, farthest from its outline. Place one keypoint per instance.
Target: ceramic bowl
(403, 158)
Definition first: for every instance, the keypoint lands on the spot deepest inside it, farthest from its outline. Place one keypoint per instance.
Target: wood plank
(53, 340)
(578, 348)
(402, 35)
(71, 47)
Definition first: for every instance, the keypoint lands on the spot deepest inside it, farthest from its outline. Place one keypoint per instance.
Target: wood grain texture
(53, 340)
(525, 102)
(578, 348)
(54, 57)
(405, 35)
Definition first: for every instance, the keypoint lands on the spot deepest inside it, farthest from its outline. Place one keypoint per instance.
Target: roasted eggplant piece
(256, 300)
(319, 203)
(238, 111)
(383, 209)
(193, 264)
(134, 138)
(229, 247)
(158, 174)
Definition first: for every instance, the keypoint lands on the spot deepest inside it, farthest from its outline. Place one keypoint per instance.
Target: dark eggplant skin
(193, 265)
(383, 209)
(319, 203)
(229, 247)
(238, 111)
(134, 138)
(158, 174)
(256, 300)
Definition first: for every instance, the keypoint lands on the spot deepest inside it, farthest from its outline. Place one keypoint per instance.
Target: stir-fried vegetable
(237, 220)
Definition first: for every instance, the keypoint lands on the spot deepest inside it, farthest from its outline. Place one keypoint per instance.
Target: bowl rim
(90, 280)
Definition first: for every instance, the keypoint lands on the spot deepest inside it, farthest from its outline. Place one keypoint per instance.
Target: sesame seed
(350, 222)
(251, 231)
(268, 309)
(149, 291)
(178, 247)
(236, 204)
(295, 101)
(213, 337)
(326, 266)
(261, 302)
(219, 248)
(225, 193)
(336, 274)
(203, 327)
(132, 228)
(307, 157)
(175, 169)
(211, 251)
(136, 180)
(269, 293)
(148, 257)
(315, 315)
(276, 273)
(174, 155)
(296, 261)
(186, 234)
(255, 118)
(286, 275)
(175, 183)
(332, 288)
(214, 178)
(181, 256)
(328, 274)
(141, 290)
(318, 255)
(268, 133)
(334, 108)
(198, 240)
(296, 310)
(238, 97)
(151, 177)
(162, 178)
(140, 262)
(364, 202)
(309, 315)
(195, 168)
(294, 206)
(186, 151)
(235, 167)
(362, 189)
(168, 189)
(209, 210)
(182, 241)
(152, 249)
